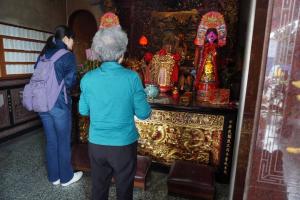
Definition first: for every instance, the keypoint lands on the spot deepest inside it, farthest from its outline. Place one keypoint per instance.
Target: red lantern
(143, 41)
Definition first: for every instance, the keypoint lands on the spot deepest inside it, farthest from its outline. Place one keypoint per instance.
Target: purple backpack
(41, 93)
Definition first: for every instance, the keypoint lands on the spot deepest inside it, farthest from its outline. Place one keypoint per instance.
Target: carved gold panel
(84, 123)
(169, 136)
(172, 135)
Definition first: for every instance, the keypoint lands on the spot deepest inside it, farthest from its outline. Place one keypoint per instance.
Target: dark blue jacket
(65, 68)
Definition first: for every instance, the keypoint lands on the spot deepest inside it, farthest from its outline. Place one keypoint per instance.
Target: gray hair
(110, 44)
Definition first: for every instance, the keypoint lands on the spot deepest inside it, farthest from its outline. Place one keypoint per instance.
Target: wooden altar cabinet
(198, 132)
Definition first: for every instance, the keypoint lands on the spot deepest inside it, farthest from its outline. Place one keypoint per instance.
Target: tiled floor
(23, 176)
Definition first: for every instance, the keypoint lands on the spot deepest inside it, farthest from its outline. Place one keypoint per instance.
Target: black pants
(113, 161)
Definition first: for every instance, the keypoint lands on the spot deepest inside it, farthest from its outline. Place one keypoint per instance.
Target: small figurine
(185, 82)
(175, 93)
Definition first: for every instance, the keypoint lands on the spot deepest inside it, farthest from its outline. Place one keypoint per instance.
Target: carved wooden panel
(4, 109)
(20, 114)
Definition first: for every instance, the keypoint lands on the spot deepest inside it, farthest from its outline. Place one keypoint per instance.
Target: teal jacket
(112, 95)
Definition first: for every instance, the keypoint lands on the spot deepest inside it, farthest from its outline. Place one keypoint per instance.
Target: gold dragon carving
(169, 136)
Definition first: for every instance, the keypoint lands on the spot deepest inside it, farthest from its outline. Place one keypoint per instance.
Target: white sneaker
(57, 182)
(76, 177)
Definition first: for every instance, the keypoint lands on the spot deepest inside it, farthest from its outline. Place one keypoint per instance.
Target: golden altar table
(197, 132)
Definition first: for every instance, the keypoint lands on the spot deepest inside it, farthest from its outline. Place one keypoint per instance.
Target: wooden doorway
(84, 25)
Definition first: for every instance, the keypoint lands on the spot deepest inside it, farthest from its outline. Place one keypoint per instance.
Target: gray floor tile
(23, 176)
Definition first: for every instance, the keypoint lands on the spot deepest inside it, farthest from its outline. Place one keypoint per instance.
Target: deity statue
(165, 68)
(207, 71)
(211, 35)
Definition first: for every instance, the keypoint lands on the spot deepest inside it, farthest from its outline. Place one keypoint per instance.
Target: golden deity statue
(208, 74)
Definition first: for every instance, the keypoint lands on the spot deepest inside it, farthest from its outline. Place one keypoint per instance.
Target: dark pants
(113, 161)
(57, 128)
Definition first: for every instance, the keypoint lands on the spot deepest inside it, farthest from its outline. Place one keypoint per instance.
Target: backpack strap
(58, 54)
(54, 58)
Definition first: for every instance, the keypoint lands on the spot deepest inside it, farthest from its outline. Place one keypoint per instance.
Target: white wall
(39, 14)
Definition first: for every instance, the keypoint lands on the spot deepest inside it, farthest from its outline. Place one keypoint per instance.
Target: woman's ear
(69, 42)
(65, 39)
(121, 59)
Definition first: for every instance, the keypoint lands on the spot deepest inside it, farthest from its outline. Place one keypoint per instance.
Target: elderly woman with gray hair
(112, 95)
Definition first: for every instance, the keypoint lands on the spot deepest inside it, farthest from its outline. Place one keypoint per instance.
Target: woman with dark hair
(57, 122)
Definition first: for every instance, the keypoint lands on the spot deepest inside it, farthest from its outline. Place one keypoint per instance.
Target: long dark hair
(59, 33)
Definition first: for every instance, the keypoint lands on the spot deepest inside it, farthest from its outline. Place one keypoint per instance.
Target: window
(19, 50)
